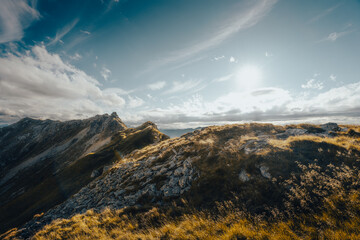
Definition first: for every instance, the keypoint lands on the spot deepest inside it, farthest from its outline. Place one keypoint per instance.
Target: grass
(228, 223)
(313, 191)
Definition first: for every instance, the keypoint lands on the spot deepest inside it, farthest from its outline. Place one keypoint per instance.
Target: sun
(248, 77)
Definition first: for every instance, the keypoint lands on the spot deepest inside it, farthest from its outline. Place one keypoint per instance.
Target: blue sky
(181, 63)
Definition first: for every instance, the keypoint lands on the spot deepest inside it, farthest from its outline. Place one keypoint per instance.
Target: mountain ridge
(59, 157)
(255, 161)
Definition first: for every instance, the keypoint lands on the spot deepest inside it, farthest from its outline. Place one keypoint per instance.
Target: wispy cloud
(238, 22)
(76, 57)
(324, 13)
(219, 58)
(15, 16)
(335, 35)
(63, 31)
(313, 84)
(85, 32)
(224, 78)
(332, 77)
(135, 102)
(157, 85)
(105, 73)
(189, 85)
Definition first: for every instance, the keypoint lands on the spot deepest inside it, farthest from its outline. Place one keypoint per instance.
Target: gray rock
(243, 176)
(96, 173)
(264, 171)
(330, 127)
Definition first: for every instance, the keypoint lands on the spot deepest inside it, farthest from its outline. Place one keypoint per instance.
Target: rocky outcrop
(134, 183)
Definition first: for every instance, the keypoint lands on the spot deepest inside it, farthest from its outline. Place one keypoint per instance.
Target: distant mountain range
(54, 170)
(178, 132)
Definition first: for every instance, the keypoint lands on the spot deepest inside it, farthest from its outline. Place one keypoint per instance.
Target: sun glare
(248, 77)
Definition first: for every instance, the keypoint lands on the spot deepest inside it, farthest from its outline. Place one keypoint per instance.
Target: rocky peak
(147, 124)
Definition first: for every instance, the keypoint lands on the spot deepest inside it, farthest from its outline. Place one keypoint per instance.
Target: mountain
(247, 181)
(43, 163)
(178, 132)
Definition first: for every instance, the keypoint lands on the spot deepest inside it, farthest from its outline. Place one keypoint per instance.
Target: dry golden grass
(318, 202)
(232, 224)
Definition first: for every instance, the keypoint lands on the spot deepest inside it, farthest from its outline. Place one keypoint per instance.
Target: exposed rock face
(45, 162)
(29, 141)
(330, 127)
(149, 180)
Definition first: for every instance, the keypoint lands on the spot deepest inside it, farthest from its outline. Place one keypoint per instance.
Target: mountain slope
(264, 170)
(45, 162)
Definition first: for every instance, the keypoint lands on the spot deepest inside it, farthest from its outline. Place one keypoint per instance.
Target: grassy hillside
(256, 181)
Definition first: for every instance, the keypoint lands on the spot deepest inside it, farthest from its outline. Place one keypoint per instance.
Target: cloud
(224, 78)
(76, 57)
(324, 13)
(240, 21)
(219, 58)
(189, 85)
(334, 36)
(105, 73)
(135, 102)
(232, 59)
(332, 77)
(157, 85)
(40, 84)
(85, 32)
(313, 84)
(15, 16)
(266, 104)
(63, 31)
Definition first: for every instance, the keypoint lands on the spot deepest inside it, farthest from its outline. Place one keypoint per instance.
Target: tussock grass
(230, 224)
(313, 191)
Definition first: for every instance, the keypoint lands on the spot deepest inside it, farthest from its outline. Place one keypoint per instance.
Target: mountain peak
(114, 114)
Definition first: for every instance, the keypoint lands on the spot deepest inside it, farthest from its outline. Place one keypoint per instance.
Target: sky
(181, 64)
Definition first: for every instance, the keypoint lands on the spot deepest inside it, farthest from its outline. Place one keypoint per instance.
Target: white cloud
(224, 78)
(85, 32)
(105, 73)
(157, 85)
(232, 59)
(135, 102)
(335, 35)
(313, 84)
(239, 21)
(332, 77)
(219, 58)
(76, 57)
(189, 85)
(62, 32)
(40, 84)
(266, 104)
(15, 16)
